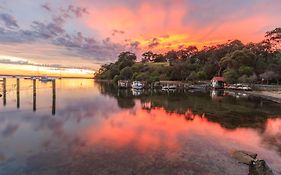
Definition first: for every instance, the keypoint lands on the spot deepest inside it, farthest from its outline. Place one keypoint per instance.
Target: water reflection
(217, 94)
(101, 129)
(4, 91)
(54, 98)
(18, 93)
(34, 95)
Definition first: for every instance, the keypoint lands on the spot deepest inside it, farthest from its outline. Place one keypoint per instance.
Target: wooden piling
(34, 95)
(18, 93)
(4, 91)
(54, 97)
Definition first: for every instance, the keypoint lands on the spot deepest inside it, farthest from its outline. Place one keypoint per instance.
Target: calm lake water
(91, 128)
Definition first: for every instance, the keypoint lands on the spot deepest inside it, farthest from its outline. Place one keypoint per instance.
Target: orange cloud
(149, 20)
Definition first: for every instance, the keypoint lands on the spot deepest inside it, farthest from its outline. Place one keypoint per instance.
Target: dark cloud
(153, 43)
(88, 47)
(116, 32)
(14, 62)
(53, 32)
(77, 11)
(49, 30)
(20, 36)
(67, 12)
(9, 21)
(106, 40)
(135, 44)
(47, 6)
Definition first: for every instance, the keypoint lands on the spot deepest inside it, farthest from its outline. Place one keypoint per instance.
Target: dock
(17, 88)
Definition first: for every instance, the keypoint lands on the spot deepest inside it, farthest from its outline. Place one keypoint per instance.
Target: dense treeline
(237, 62)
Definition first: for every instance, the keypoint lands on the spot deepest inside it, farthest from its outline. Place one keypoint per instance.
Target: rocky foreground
(256, 166)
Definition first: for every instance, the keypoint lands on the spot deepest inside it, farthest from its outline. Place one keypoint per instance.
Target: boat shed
(217, 82)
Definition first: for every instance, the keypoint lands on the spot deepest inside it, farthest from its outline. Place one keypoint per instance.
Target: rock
(251, 154)
(256, 167)
(259, 167)
(244, 156)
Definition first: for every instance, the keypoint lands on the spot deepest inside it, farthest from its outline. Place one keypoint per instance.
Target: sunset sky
(87, 33)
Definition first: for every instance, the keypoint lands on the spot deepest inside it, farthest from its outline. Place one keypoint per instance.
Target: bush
(230, 76)
(126, 73)
(116, 78)
(246, 70)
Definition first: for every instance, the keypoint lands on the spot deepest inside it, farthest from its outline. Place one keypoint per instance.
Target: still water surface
(92, 128)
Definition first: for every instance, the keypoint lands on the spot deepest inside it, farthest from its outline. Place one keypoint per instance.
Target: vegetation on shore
(235, 61)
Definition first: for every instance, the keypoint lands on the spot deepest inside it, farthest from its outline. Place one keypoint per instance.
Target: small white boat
(169, 87)
(30, 78)
(137, 85)
(240, 87)
(46, 79)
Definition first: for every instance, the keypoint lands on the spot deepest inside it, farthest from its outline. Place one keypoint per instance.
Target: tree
(238, 58)
(126, 73)
(171, 56)
(126, 59)
(243, 79)
(274, 38)
(127, 56)
(192, 76)
(113, 71)
(230, 75)
(246, 70)
(201, 75)
(187, 53)
(267, 76)
(147, 56)
(253, 78)
(159, 58)
(104, 68)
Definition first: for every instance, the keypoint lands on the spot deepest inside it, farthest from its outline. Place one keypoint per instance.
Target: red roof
(218, 78)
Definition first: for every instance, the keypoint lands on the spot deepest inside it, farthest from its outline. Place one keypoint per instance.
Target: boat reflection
(137, 92)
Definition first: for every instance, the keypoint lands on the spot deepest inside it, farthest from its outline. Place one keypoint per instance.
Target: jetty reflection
(34, 95)
(4, 92)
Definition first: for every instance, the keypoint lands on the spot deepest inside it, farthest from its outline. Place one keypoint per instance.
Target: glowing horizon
(36, 70)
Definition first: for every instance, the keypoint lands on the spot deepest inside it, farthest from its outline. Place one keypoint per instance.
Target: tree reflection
(229, 111)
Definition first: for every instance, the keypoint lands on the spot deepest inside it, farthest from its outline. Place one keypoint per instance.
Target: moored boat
(169, 87)
(239, 87)
(46, 79)
(137, 85)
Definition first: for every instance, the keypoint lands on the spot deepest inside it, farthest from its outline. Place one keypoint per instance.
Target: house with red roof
(217, 82)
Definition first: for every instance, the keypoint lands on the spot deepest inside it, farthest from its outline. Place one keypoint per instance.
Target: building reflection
(217, 94)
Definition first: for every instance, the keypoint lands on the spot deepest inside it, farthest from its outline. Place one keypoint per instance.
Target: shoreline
(268, 95)
(268, 92)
